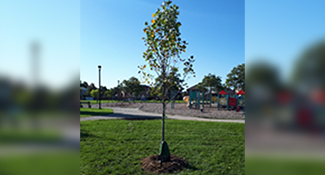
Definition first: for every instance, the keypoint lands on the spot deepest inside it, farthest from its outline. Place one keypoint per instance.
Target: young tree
(236, 78)
(164, 46)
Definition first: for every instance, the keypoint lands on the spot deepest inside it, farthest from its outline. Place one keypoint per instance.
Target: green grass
(283, 166)
(50, 163)
(28, 136)
(137, 101)
(118, 146)
(86, 112)
(96, 102)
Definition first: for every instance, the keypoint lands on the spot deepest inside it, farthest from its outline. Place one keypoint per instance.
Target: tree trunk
(163, 123)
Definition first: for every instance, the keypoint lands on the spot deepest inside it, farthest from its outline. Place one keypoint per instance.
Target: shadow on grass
(193, 168)
(135, 116)
(84, 134)
(151, 118)
(95, 113)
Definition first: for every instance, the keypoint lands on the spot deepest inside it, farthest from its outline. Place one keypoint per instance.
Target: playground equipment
(235, 101)
(240, 99)
(186, 99)
(197, 98)
(173, 96)
(223, 99)
(194, 97)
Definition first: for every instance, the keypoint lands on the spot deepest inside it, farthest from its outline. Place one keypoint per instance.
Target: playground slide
(186, 99)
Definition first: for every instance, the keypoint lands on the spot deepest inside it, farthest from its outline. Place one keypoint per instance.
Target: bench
(87, 102)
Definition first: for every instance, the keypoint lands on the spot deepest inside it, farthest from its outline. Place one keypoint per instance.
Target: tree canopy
(84, 84)
(94, 93)
(132, 86)
(176, 84)
(212, 82)
(164, 47)
(309, 70)
(89, 89)
(262, 75)
(236, 78)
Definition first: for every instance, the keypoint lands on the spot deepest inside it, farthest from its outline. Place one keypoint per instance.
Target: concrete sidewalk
(135, 113)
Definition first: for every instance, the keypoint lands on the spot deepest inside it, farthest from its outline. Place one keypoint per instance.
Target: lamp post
(99, 68)
(118, 90)
(35, 56)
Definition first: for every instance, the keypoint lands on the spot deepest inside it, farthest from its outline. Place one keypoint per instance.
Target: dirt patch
(182, 110)
(176, 163)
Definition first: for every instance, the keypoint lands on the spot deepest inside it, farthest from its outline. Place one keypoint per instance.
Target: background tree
(94, 93)
(108, 93)
(103, 89)
(81, 93)
(115, 91)
(132, 86)
(162, 55)
(262, 75)
(211, 82)
(176, 84)
(236, 78)
(308, 72)
(84, 84)
(89, 89)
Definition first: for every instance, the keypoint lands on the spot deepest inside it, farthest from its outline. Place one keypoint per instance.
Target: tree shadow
(193, 168)
(134, 116)
(84, 134)
(95, 113)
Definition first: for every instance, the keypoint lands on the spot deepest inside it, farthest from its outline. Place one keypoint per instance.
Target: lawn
(86, 112)
(118, 146)
(269, 165)
(28, 136)
(137, 101)
(39, 163)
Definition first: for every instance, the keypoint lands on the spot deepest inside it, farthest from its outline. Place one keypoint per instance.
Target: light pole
(99, 68)
(118, 90)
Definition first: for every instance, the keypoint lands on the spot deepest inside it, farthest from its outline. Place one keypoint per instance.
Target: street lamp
(99, 68)
(118, 90)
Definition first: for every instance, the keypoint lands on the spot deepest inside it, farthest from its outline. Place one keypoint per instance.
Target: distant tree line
(132, 87)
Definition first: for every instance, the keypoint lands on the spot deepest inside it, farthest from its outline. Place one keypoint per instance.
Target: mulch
(175, 164)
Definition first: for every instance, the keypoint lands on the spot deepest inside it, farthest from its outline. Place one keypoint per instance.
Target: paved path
(135, 113)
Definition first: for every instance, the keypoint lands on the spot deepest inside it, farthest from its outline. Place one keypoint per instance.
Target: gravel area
(182, 110)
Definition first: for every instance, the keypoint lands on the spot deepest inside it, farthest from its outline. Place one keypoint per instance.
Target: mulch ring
(151, 164)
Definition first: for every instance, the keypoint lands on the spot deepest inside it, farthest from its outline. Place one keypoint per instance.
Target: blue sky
(111, 33)
(279, 31)
(55, 25)
(86, 33)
